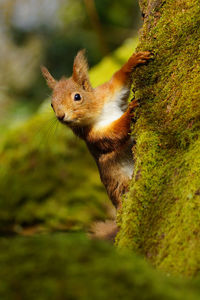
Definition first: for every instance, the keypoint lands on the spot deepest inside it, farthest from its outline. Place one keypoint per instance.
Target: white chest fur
(126, 159)
(112, 109)
(127, 168)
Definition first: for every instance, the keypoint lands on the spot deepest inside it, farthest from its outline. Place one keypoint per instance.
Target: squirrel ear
(80, 71)
(51, 82)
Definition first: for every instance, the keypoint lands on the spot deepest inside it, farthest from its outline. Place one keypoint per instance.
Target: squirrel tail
(104, 230)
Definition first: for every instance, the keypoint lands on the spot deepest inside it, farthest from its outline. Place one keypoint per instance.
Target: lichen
(161, 213)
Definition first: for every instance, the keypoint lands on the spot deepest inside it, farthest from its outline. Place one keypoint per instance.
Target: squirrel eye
(77, 97)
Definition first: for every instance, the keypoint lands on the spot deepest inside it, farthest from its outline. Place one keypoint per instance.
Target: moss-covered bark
(161, 213)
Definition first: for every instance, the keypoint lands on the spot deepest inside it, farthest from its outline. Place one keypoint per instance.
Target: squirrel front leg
(122, 76)
(114, 135)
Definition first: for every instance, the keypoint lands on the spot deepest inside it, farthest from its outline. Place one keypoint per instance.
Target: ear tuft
(80, 71)
(51, 82)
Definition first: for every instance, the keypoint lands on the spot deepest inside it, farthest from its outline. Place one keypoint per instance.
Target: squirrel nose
(61, 116)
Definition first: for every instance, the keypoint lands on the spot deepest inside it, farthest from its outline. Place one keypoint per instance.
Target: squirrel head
(73, 99)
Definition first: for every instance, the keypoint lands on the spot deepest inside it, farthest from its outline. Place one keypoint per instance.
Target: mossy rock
(69, 266)
(161, 212)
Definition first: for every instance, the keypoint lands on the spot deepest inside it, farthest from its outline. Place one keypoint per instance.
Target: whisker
(54, 129)
(50, 131)
(44, 132)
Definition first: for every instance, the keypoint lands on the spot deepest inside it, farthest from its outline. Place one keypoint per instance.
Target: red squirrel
(101, 116)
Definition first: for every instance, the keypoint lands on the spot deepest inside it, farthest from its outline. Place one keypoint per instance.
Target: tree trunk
(161, 213)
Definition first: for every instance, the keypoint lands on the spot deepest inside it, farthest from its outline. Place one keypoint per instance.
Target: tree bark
(161, 213)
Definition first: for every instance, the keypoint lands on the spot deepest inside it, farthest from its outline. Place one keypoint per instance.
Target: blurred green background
(35, 32)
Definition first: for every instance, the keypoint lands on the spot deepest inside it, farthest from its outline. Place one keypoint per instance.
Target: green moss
(161, 213)
(69, 266)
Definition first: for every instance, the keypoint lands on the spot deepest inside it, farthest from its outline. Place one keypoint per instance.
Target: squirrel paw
(132, 105)
(139, 58)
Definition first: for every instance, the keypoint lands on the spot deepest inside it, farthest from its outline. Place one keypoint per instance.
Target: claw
(139, 58)
(132, 105)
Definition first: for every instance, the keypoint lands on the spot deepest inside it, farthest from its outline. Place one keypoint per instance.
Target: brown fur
(110, 144)
(104, 230)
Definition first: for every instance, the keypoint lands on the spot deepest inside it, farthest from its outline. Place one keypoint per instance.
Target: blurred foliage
(47, 179)
(69, 266)
(35, 32)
